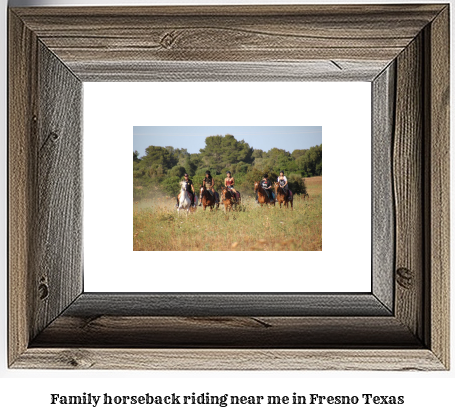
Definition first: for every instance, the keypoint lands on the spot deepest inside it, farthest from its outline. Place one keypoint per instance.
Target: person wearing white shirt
(283, 181)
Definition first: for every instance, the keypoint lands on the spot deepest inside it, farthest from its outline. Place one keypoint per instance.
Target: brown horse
(282, 198)
(235, 194)
(207, 199)
(229, 200)
(262, 195)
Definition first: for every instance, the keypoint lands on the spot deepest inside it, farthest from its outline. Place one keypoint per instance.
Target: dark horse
(229, 200)
(207, 199)
(281, 196)
(262, 195)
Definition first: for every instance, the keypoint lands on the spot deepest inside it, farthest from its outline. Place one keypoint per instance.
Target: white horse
(185, 199)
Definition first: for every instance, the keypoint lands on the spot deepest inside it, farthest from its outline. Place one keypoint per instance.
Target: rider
(189, 189)
(229, 183)
(283, 181)
(267, 186)
(208, 182)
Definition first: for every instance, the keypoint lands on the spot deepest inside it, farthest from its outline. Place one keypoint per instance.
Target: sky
(193, 138)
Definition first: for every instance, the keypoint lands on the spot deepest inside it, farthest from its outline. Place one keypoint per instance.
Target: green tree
(310, 163)
(171, 185)
(297, 153)
(159, 156)
(223, 151)
(257, 153)
(176, 171)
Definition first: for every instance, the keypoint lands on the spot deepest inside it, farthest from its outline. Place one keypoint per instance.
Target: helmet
(185, 175)
(266, 175)
(207, 172)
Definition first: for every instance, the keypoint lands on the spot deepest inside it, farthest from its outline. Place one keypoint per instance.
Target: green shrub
(296, 184)
(171, 185)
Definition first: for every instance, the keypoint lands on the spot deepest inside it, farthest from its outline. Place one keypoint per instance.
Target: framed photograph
(401, 323)
(250, 245)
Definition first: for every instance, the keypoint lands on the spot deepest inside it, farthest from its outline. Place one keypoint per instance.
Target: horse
(229, 200)
(207, 199)
(185, 199)
(262, 195)
(237, 198)
(282, 198)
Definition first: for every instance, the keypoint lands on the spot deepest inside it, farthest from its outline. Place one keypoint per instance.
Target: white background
(112, 109)
(28, 391)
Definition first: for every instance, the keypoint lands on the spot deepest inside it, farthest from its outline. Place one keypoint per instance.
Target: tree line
(163, 167)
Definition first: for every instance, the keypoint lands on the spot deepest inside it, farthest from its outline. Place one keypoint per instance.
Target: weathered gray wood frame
(403, 50)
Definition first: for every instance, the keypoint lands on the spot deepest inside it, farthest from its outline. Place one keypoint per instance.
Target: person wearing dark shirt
(208, 182)
(266, 184)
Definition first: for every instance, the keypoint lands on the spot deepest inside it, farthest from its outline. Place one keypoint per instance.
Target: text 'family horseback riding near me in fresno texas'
(225, 400)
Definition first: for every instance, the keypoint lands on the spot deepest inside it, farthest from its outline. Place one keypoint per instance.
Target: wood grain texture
(308, 71)
(439, 189)
(229, 359)
(58, 214)
(22, 96)
(227, 34)
(256, 332)
(45, 187)
(383, 215)
(408, 188)
(213, 305)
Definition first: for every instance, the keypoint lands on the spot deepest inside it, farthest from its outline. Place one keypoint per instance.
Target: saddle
(214, 194)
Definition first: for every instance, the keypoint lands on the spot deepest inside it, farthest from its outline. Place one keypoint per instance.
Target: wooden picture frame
(403, 324)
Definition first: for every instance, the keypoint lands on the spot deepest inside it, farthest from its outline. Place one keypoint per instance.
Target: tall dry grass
(157, 227)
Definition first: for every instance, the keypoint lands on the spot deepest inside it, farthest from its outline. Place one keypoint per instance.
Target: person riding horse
(189, 188)
(229, 183)
(209, 183)
(283, 182)
(266, 184)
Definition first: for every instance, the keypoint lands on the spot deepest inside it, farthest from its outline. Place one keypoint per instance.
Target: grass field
(157, 227)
